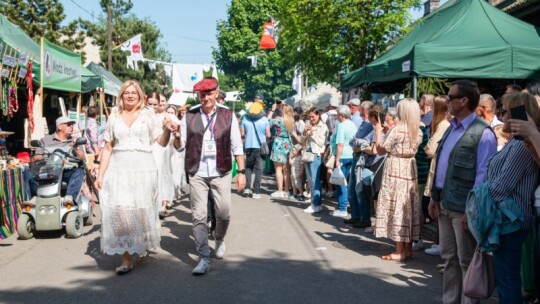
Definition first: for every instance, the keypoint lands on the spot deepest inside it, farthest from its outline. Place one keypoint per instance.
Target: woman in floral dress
(281, 148)
(398, 214)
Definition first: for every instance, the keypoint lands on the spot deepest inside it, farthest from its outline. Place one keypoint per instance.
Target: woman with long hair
(314, 139)
(162, 156)
(512, 173)
(281, 148)
(128, 177)
(398, 214)
(438, 127)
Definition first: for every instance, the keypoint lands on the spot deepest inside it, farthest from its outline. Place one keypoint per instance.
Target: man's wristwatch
(243, 171)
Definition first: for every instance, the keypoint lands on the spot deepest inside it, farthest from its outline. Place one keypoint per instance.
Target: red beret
(206, 84)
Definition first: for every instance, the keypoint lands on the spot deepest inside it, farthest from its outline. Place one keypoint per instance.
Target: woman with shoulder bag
(314, 138)
(512, 173)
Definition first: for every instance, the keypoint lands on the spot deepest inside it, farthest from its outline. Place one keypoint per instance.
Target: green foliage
(42, 18)
(124, 26)
(435, 86)
(238, 37)
(329, 37)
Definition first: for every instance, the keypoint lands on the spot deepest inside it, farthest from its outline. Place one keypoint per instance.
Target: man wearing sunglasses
(462, 159)
(73, 175)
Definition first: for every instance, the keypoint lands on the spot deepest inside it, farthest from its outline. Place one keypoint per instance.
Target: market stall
(12, 194)
(462, 39)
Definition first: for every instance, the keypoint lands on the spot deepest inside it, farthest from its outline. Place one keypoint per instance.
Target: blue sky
(188, 27)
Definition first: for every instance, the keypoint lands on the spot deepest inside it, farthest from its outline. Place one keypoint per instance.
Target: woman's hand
(523, 128)
(98, 183)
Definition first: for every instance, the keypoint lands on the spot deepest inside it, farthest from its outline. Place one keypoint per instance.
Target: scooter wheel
(25, 227)
(88, 221)
(74, 224)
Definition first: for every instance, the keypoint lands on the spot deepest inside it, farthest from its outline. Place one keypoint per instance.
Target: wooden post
(41, 67)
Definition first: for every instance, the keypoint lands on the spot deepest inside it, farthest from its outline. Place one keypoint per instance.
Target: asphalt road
(275, 254)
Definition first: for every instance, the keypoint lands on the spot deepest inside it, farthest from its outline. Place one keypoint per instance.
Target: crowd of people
(410, 165)
(402, 166)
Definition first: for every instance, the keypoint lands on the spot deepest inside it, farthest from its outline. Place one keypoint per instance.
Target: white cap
(354, 102)
(64, 120)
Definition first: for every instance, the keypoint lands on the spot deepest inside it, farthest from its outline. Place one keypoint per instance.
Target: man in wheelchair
(73, 174)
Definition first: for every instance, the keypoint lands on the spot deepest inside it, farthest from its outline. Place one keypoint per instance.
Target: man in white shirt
(486, 110)
(211, 137)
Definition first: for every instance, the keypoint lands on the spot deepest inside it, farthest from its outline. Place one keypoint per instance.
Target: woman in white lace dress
(128, 178)
(162, 157)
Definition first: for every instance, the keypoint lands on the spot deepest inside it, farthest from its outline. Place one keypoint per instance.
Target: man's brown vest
(194, 140)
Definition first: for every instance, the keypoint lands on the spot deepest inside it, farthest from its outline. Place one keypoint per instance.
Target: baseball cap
(259, 96)
(64, 120)
(354, 102)
(222, 93)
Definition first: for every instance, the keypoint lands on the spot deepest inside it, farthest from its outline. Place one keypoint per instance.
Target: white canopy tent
(319, 97)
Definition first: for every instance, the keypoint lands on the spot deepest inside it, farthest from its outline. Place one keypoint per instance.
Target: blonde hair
(409, 117)
(288, 117)
(525, 99)
(137, 87)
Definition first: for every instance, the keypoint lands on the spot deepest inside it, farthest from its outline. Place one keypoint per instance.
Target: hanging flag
(297, 81)
(134, 46)
(253, 60)
(267, 38)
(185, 76)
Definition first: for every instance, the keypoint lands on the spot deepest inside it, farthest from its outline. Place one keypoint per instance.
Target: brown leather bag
(479, 281)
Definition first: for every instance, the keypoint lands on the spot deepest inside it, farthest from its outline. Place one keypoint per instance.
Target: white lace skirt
(162, 156)
(129, 204)
(179, 174)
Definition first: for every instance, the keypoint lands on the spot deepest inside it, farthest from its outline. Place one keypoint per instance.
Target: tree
(329, 37)
(42, 18)
(125, 26)
(238, 37)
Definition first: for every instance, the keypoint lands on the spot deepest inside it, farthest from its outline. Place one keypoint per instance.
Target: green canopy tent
(462, 39)
(111, 84)
(13, 36)
(89, 81)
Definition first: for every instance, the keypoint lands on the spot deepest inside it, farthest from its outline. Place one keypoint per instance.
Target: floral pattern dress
(282, 143)
(398, 208)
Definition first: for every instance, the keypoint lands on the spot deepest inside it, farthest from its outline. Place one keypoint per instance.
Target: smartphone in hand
(520, 113)
(381, 118)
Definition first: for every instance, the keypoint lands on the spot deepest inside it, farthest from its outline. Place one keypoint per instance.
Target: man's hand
(240, 182)
(434, 209)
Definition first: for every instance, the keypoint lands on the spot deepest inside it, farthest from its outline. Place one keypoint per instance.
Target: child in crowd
(297, 172)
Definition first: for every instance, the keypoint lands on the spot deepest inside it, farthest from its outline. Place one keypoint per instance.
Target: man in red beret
(211, 137)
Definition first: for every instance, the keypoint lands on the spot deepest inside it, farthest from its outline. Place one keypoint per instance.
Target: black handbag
(265, 150)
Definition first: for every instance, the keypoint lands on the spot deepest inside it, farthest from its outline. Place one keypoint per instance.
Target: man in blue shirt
(354, 105)
(255, 131)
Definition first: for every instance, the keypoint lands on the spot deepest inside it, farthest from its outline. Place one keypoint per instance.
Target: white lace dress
(162, 157)
(129, 198)
(179, 174)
